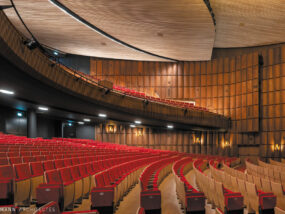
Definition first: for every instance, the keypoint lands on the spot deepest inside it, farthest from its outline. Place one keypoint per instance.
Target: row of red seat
(191, 199)
(112, 184)
(76, 181)
(142, 95)
(150, 179)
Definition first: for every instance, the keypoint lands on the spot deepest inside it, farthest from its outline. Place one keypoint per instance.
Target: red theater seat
(59, 163)
(78, 183)
(48, 165)
(15, 160)
(22, 191)
(4, 161)
(6, 184)
(37, 171)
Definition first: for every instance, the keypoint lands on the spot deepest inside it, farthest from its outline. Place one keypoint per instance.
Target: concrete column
(32, 123)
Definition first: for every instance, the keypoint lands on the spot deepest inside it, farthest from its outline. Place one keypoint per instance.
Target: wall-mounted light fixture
(226, 144)
(277, 147)
(139, 132)
(111, 128)
(197, 140)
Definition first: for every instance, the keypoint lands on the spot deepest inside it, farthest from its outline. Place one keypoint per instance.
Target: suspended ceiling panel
(5, 2)
(54, 28)
(179, 29)
(244, 23)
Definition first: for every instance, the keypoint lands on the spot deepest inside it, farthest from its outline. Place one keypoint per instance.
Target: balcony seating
(142, 95)
(191, 199)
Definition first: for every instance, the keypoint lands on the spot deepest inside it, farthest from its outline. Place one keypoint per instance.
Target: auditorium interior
(142, 107)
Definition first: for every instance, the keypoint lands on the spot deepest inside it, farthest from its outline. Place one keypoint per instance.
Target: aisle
(131, 202)
(169, 200)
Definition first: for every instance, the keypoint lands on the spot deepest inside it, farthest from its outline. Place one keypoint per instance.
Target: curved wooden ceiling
(245, 23)
(179, 29)
(54, 28)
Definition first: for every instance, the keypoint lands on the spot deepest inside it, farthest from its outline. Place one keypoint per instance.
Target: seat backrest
(37, 168)
(241, 185)
(15, 160)
(83, 170)
(68, 162)
(49, 165)
(65, 174)
(75, 172)
(22, 171)
(266, 185)
(277, 189)
(53, 177)
(6, 172)
(4, 161)
(59, 163)
(251, 189)
(27, 159)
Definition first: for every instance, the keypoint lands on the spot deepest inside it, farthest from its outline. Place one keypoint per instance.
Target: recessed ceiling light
(81, 123)
(55, 53)
(138, 121)
(69, 124)
(170, 126)
(43, 108)
(132, 126)
(102, 115)
(19, 114)
(3, 91)
(86, 120)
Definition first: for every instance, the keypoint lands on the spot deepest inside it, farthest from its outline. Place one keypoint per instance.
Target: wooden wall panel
(228, 85)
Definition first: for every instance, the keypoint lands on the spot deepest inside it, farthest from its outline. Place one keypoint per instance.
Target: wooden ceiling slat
(54, 28)
(245, 23)
(179, 29)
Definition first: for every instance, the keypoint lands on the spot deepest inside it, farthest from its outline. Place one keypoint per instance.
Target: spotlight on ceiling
(4, 91)
(102, 115)
(55, 53)
(86, 120)
(19, 114)
(81, 123)
(43, 108)
(31, 44)
(69, 124)
(138, 122)
(170, 126)
(132, 126)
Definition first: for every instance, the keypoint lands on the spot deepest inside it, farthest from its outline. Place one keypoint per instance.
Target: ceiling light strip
(101, 32)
